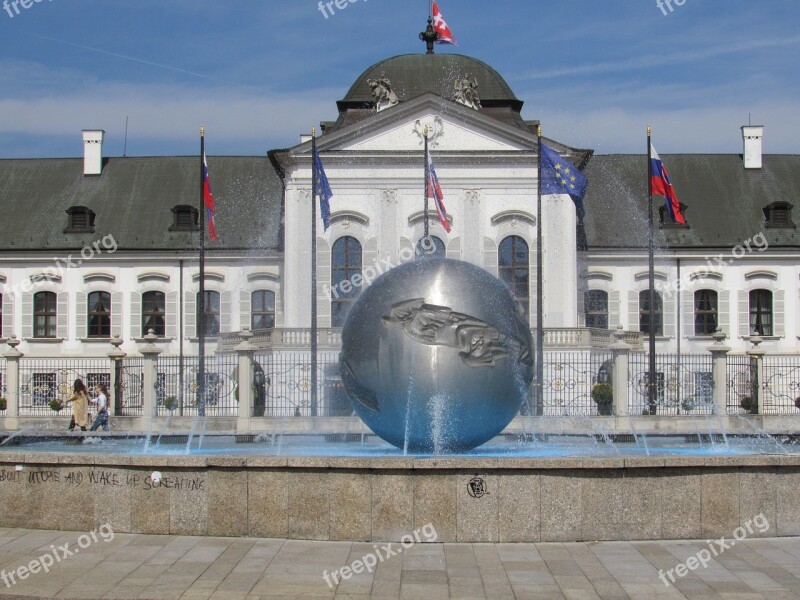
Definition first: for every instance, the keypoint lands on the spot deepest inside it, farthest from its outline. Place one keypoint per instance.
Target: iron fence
(45, 384)
(780, 392)
(285, 387)
(178, 384)
(742, 384)
(684, 385)
(568, 381)
(129, 396)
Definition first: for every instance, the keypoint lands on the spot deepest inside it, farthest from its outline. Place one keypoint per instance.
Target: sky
(259, 73)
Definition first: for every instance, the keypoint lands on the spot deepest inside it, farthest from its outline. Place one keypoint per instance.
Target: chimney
(752, 135)
(93, 151)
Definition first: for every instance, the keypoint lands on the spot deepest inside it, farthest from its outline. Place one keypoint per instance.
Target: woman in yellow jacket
(80, 406)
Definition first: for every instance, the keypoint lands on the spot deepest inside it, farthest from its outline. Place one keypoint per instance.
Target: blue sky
(259, 73)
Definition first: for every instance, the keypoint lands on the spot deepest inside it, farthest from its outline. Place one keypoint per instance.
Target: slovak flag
(434, 190)
(662, 186)
(440, 26)
(208, 200)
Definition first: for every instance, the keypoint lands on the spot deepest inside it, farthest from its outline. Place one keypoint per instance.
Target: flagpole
(425, 186)
(651, 377)
(201, 302)
(539, 379)
(314, 191)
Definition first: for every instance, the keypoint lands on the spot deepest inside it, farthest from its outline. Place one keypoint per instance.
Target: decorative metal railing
(178, 383)
(742, 385)
(2, 383)
(47, 383)
(129, 396)
(568, 381)
(780, 390)
(684, 385)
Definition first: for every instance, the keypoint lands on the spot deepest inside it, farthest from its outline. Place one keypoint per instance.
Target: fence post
(150, 353)
(12, 357)
(245, 351)
(756, 355)
(620, 352)
(116, 356)
(719, 372)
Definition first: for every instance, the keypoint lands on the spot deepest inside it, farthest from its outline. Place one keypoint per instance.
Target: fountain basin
(470, 499)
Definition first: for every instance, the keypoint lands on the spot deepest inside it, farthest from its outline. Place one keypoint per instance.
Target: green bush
(796, 401)
(170, 403)
(603, 396)
(748, 404)
(3, 404)
(56, 405)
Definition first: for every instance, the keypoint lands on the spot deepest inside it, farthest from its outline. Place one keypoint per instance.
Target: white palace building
(94, 247)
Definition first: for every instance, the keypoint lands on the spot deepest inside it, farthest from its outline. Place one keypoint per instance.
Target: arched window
(705, 312)
(513, 263)
(262, 314)
(346, 262)
(595, 304)
(761, 312)
(44, 315)
(210, 321)
(99, 316)
(154, 313)
(644, 312)
(433, 248)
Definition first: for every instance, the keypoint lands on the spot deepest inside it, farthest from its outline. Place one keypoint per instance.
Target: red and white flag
(434, 190)
(440, 26)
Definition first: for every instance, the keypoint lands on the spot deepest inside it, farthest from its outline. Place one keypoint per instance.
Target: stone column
(245, 351)
(12, 357)
(756, 355)
(150, 353)
(719, 370)
(116, 356)
(620, 351)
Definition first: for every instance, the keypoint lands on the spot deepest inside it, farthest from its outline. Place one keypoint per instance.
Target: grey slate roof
(724, 201)
(133, 199)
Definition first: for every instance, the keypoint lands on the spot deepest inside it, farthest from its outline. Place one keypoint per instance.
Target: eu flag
(323, 188)
(559, 176)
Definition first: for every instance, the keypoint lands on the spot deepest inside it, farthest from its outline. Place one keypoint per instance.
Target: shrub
(170, 403)
(3, 403)
(603, 396)
(796, 401)
(748, 404)
(56, 405)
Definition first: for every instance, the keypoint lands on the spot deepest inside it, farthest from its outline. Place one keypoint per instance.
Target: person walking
(102, 407)
(80, 406)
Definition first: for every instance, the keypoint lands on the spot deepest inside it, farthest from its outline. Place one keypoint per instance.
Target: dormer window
(778, 215)
(665, 219)
(81, 220)
(185, 218)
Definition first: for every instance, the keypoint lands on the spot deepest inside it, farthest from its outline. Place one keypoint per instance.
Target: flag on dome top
(560, 176)
(661, 185)
(440, 26)
(208, 201)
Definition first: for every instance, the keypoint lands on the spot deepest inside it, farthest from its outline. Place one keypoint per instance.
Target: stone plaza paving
(166, 567)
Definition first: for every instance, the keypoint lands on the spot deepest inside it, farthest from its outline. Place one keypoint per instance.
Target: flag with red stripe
(434, 190)
(208, 201)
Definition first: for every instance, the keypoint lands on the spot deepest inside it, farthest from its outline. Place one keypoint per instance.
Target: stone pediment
(452, 128)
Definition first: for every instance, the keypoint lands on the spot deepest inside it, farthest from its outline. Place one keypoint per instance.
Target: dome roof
(412, 75)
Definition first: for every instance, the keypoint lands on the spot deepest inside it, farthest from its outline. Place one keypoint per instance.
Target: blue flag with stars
(559, 176)
(323, 188)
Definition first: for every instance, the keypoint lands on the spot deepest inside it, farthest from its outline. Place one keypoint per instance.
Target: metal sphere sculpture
(436, 358)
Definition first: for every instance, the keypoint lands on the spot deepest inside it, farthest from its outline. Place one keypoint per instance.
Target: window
(705, 312)
(513, 267)
(644, 313)
(99, 324)
(761, 312)
(595, 304)
(345, 264)
(262, 314)
(44, 315)
(434, 248)
(665, 219)
(81, 220)
(210, 321)
(778, 215)
(154, 313)
(185, 218)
